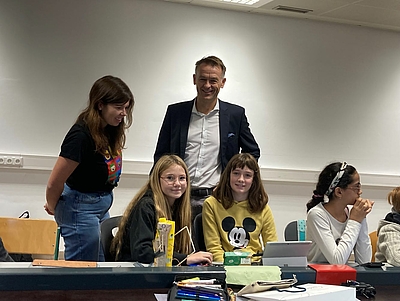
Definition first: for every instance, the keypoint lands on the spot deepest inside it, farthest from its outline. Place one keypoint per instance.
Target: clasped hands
(360, 209)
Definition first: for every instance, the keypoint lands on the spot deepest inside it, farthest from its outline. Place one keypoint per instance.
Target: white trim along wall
(140, 168)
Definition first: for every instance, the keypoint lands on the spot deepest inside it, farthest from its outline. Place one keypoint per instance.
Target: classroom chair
(30, 236)
(198, 235)
(107, 235)
(374, 240)
(296, 230)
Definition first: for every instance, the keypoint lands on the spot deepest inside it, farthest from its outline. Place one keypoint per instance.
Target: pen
(196, 280)
(201, 297)
(200, 289)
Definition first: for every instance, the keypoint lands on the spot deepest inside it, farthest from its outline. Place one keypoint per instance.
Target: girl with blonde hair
(165, 195)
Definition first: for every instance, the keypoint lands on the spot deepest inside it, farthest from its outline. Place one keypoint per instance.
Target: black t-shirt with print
(95, 172)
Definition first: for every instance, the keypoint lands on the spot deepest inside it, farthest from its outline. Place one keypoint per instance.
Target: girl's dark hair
(325, 179)
(257, 198)
(108, 90)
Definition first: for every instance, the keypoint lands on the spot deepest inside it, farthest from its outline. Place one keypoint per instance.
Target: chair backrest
(198, 235)
(373, 236)
(107, 235)
(30, 236)
(296, 230)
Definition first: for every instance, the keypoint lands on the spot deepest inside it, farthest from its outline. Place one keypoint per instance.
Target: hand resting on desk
(199, 258)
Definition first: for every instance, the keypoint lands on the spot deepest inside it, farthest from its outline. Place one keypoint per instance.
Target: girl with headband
(334, 229)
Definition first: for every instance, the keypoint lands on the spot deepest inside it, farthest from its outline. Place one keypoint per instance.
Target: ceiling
(383, 14)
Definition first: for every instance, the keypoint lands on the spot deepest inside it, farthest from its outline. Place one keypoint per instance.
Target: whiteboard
(313, 92)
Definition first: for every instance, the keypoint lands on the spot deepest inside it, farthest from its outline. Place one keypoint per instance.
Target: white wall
(314, 92)
(25, 190)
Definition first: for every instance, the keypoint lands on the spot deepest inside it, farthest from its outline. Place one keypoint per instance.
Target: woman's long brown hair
(107, 90)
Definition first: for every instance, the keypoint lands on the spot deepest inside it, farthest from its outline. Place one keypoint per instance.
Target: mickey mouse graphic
(238, 236)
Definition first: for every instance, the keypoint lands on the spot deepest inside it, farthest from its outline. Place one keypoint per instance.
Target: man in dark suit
(205, 132)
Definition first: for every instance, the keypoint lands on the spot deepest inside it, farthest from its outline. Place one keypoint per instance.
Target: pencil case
(198, 288)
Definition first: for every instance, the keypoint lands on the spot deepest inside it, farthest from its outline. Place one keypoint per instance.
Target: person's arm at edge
(55, 186)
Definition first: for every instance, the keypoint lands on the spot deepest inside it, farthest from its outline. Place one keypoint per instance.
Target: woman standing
(79, 190)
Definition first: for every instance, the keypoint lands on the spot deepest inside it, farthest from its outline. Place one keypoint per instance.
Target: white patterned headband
(336, 179)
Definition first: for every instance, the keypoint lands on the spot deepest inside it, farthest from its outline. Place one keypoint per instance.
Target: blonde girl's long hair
(180, 212)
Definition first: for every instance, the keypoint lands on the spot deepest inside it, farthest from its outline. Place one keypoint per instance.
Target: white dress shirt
(202, 148)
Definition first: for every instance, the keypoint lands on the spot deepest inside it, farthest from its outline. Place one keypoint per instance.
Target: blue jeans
(79, 216)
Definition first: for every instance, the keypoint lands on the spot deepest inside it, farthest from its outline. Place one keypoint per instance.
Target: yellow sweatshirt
(226, 230)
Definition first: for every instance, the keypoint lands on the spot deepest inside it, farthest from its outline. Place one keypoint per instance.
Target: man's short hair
(212, 61)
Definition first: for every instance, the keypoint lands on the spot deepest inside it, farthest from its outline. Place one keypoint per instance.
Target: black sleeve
(142, 231)
(247, 141)
(164, 137)
(76, 144)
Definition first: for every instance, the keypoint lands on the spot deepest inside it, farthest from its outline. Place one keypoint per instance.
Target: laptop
(286, 254)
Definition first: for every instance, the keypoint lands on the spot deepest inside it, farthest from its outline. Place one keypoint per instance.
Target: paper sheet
(313, 292)
(243, 275)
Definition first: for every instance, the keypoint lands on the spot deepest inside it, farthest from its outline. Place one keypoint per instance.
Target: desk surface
(384, 293)
(379, 276)
(373, 276)
(103, 278)
(113, 283)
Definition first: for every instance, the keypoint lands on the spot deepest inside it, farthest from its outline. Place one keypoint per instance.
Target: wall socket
(11, 161)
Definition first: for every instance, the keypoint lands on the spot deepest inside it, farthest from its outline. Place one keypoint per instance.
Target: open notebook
(287, 253)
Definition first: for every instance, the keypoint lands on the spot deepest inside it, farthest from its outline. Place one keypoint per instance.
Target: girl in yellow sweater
(237, 213)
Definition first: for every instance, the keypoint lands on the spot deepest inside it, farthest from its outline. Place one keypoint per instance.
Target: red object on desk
(333, 273)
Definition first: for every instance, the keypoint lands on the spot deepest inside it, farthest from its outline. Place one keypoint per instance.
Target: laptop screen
(286, 254)
(286, 249)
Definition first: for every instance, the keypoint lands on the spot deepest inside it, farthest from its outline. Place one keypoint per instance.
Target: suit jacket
(235, 134)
